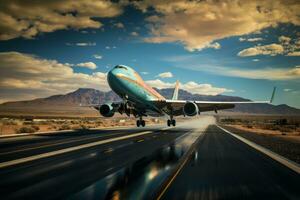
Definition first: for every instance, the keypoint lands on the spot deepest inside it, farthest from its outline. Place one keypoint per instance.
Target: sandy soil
(292, 135)
(15, 126)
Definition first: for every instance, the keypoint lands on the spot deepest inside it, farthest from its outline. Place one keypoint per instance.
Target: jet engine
(190, 109)
(106, 110)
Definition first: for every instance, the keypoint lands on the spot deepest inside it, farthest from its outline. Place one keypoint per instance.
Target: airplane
(141, 100)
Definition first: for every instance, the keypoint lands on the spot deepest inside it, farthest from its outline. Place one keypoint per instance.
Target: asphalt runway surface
(223, 167)
(195, 160)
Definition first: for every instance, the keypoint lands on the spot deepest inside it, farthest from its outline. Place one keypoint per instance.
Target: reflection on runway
(133, 167)
(141, 179)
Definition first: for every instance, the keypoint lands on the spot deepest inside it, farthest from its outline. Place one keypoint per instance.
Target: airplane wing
(97, 106)
(175, 107)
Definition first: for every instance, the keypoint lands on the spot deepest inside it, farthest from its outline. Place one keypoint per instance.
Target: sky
(237, 48)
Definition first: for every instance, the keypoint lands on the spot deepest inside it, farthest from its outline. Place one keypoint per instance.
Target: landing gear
(171, 122)
(140, 122)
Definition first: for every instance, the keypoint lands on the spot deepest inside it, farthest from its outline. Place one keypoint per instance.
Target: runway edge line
(286, 162)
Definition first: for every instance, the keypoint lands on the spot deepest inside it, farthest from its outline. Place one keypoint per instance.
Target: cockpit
(120, 67)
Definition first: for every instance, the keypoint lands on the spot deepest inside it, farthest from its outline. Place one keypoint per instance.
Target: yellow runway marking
(173, 178)
(177, 172)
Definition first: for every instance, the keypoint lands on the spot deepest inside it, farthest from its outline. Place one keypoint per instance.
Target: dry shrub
(36, 128)
(233, 121)
(9, 123)
(65, 127)
(282, 121)
(83, 126)
(287, 128)
(26, 129)
(28, 123)
(249, 126)
(270, 127)
(76, 127)
(99, 123)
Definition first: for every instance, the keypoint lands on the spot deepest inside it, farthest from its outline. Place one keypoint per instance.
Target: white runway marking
(60, 143)
(70, 149)
(286, 162)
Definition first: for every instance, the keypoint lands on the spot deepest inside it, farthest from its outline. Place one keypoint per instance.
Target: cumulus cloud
(250, 39)
(287, 46)
(165, 75)
(197, 24)
(97, 56)
(81, 44)
(119, 25)
(193, 87)
(29, 18)
(84, 44)
(89, 65)
(254, 39)
(284, 39)
(292, 46)
(295, 53)
(214, 45)
(110, 47)
(264, 73)
(27, 76)
(270, 49)
(134, 33)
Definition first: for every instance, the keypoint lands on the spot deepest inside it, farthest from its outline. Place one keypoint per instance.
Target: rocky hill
(91, 96)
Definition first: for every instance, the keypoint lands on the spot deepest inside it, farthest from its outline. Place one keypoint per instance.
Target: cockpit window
(120, 67)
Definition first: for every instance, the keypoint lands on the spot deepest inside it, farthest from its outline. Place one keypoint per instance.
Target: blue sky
(221, 56)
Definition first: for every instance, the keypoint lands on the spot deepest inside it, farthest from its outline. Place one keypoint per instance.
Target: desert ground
(36, 125)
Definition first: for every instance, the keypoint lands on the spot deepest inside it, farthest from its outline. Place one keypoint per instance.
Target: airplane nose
(113, 80)
(111, 75)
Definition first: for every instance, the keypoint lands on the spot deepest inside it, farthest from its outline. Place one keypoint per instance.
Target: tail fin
(175, 93)
(273, 95)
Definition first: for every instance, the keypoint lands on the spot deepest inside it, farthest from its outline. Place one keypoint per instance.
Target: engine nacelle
(190, 109)
(106, 110)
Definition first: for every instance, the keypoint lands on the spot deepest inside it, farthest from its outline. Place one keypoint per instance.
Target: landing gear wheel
(173, 122)
(169, 122)
(143, 123)
(138, 123)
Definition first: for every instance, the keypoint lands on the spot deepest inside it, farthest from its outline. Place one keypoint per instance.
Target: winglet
(176, 89)
(273, 94)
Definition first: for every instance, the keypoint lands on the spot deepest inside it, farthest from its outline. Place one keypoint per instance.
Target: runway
(223, 167)
(141, 163)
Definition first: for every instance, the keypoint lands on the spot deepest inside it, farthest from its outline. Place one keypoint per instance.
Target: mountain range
(86, 96)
